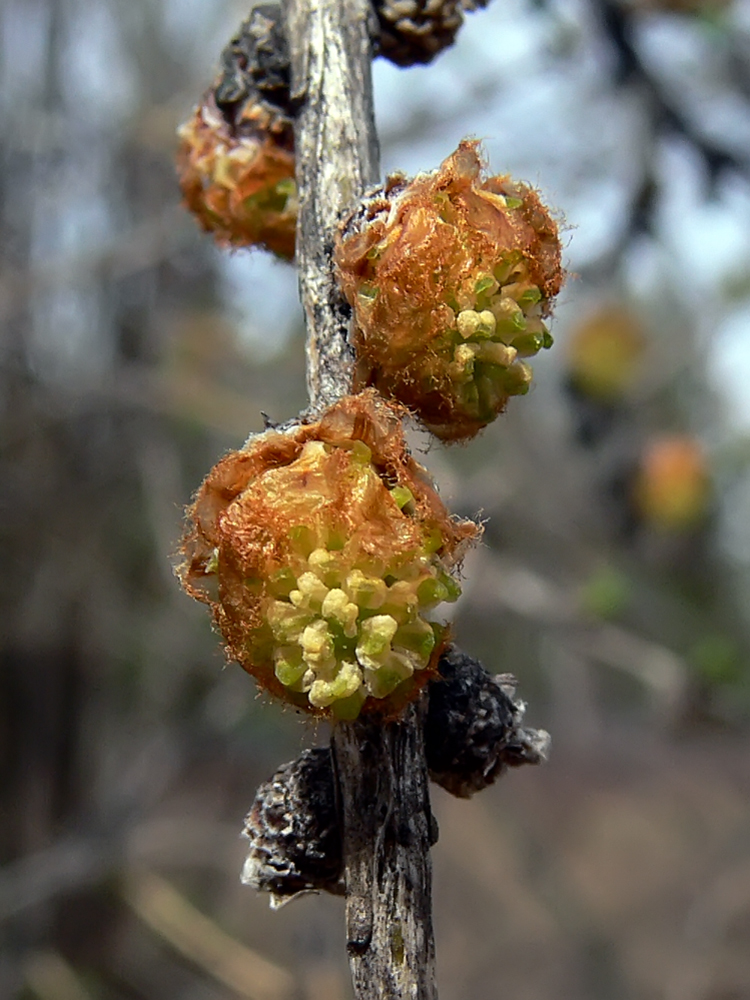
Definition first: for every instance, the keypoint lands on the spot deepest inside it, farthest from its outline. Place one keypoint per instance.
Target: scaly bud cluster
(322, 553)
(450, 277)
(236, 156)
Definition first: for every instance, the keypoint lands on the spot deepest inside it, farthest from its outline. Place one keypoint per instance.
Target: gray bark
(388, 829)
(387, 826)
(336, 150)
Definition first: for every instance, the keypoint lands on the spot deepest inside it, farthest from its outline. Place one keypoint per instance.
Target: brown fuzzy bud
(236, 156)
(450, 277)
(320, 552)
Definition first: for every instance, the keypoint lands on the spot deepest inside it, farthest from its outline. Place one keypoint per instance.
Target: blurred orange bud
(605, 352)
(672, 488)
(238, 178)
(450, 276)
(321, 552)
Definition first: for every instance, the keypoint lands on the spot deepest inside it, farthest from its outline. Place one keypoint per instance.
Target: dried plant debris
(236, 156)
(474, 728)
(255, 65)
(322, 553)
(473, 734)
(451, 277)
(295, 844)
(415, 31)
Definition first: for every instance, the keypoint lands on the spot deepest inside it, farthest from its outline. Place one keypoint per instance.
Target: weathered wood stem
(337, 158)
(387, 825)
(388, 829)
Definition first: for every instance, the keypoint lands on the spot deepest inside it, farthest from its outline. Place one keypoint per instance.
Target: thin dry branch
(162, 908)
(337, 156)
(387, 825)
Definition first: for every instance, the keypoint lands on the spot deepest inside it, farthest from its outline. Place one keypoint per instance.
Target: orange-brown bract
(238, 179)
(320, 551)
(450, 277)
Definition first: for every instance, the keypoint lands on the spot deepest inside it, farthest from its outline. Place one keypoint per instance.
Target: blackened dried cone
(474, 728)
(473, 734)
(255, 65)
(295, 845)
(415, 31)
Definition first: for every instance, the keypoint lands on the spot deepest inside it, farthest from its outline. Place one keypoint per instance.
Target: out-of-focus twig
(68, 864)
(618, 24)
(166, 911)
(50, 977)
(147, 244)
(519, 589)
(73, 863)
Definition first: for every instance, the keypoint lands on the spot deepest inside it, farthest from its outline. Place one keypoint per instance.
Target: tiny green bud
(289, 665)
(528, 344)
(417, 637)
(317, 646)
(368, 592)
(496, 354)
(336, 604)
(375, 639)
(431, 592)
(402, 495)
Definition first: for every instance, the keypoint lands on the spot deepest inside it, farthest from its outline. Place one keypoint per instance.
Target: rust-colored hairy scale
(321, 552)
(450, 276)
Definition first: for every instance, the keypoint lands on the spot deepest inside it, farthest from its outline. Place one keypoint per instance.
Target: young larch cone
(450, 277)
(321, 552)
(236, 155)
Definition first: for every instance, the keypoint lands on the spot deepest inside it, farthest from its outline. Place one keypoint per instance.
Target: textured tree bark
(387, 826)
(388, 829)
(336, 152)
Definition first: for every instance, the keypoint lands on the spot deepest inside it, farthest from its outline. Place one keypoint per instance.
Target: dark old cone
(415, 31)
(293, 831)
(473, 730)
